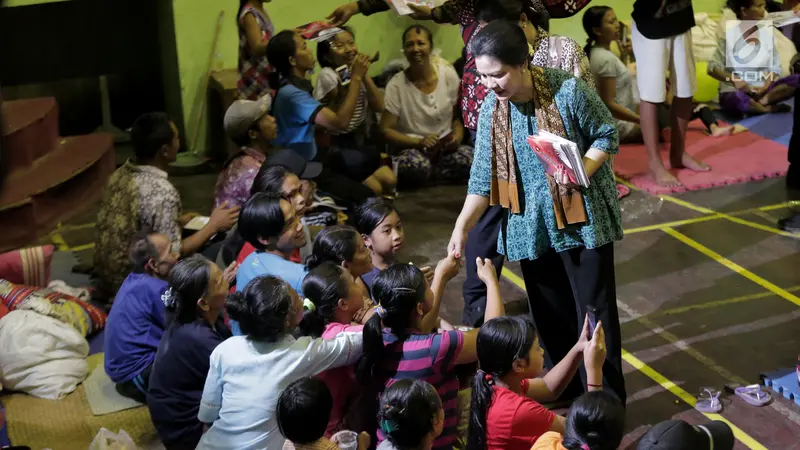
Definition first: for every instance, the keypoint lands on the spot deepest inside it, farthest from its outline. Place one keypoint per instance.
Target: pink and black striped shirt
(431, 358)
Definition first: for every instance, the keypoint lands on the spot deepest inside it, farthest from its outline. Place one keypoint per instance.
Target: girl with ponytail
(595, 421)
(399, 342)
(252, 369)
(332, 302)
(506, 412)
(343, 246)
(410, 415)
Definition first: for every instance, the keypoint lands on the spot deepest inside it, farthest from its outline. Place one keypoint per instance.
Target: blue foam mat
(784, 381)
(776, 127)
(4, 440)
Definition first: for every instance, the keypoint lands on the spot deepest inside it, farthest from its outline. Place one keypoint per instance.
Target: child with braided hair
(410, 416)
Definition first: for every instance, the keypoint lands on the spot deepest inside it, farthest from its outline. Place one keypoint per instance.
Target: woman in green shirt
(563, 236)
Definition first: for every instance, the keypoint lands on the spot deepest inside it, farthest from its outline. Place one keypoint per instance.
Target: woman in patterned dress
(562, 235)
(255, 31)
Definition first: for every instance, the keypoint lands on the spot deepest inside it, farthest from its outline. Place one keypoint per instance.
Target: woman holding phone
(420, 118)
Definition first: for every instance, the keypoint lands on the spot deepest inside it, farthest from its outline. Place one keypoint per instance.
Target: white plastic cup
(346, 440)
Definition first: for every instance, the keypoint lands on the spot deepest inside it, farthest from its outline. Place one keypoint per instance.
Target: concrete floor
(703, 304)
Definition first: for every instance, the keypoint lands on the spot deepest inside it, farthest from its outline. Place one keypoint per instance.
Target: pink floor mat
(737, 158)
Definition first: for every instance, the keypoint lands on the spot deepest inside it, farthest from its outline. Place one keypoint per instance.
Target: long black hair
(261, 217)
(371, 213)
(261, 308)
(280, 49)
(324, 286)
(188, 283)
(336, 244)
(500, 342)
(593, 18)
(596, 420)
(503, 41)
(407, 412)
(324, 47)
(398, 290)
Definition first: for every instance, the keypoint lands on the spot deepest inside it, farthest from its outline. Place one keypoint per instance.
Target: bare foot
(663, 177)
(717, 131)
(690, 163)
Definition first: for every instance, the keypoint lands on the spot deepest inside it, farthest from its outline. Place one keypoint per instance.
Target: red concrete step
(30, 129)
(60, 185)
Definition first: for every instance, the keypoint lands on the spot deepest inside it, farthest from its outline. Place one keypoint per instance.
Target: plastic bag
(106, 440)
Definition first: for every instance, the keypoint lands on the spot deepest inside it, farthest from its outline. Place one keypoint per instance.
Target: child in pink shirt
(332, 301)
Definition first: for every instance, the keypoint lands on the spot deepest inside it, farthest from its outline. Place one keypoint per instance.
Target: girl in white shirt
(420, 116)
(247, 373)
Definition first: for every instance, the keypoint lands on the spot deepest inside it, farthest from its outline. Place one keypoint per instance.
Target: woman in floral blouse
(565, 249)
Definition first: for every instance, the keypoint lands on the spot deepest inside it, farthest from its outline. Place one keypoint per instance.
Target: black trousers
(793, 174)
(481, 243)
(560, 288)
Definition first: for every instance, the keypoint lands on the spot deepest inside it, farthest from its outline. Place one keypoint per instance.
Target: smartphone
(592, 313)
(623, 33)
(344, 74)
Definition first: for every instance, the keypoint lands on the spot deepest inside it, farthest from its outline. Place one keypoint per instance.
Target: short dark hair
(304, 409)
(149, 133)
(261, 217)
(261, 308)
(503, 41)
(141, 252)
(324, 47)
(188, 282)
(407, 412)
(511, 10)
(270, 179)
(419, 29)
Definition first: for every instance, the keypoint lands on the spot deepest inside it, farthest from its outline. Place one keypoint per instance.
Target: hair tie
(308, 305)
(169, 298)
(486, 376)
(585, 447)
(380, 311)
(389, 426)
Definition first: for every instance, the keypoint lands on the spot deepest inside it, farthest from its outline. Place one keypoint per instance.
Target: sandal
(708, 401)
(753, 395)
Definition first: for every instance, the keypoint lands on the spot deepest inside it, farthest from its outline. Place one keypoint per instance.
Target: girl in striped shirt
(400, 341)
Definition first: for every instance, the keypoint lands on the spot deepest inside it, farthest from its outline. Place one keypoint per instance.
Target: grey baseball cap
(242, 114)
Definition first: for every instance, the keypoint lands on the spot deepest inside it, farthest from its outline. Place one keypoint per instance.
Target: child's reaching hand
(363, 440)
(427, 271)
(594, 353)
(448, 268)
(486, 271)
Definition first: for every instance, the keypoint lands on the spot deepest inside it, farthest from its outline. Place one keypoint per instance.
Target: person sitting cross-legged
(136, 321)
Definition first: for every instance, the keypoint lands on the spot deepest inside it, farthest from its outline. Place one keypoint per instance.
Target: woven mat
(68, 423)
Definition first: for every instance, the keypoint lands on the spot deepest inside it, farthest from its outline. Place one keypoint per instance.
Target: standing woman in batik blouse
(562, 235)
(255, 31)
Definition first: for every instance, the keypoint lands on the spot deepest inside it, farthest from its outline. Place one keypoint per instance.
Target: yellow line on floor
(707, 218)
(733, 266)
(59, 241)
(663, 381)
(705, 210)
(80, 248)
(679, 392)
(66, 228)
(716, 303)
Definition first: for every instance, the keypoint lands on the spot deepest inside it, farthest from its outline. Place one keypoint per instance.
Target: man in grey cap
(249, 124)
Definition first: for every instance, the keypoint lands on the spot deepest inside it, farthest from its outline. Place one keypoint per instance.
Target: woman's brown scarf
(567, 203)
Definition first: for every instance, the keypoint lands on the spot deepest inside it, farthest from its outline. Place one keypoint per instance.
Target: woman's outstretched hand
(457, 242)
(342, 14)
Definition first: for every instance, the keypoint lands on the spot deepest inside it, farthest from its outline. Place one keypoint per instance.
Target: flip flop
(708, 401)
(622, 191)
(753, 395)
